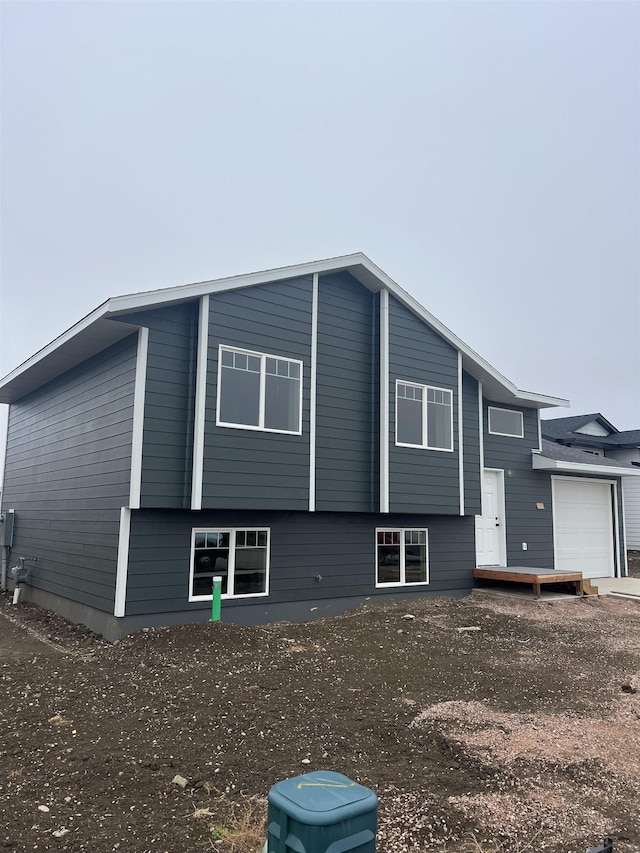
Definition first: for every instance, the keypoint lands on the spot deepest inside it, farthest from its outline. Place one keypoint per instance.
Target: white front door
(583, 527)
(491, 547)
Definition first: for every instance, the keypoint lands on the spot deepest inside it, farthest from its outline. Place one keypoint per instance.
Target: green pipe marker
(215, 599)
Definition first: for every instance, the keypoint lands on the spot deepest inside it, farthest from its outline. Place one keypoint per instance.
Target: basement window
(402, 557)
(506, 422)
(259, 391)
(239, 557)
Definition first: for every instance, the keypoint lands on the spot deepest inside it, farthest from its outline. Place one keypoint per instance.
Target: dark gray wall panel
(421, 480)
(524, 489)
(68, 473)
(471, 445)
(339, 547)
(346, 380)
(268, 470)
(169, 405)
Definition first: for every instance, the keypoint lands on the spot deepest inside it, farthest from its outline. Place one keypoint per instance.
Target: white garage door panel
(583, 527)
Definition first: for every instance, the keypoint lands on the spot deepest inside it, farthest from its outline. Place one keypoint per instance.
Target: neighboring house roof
(108, 324)
(565, 431)
(557, 457)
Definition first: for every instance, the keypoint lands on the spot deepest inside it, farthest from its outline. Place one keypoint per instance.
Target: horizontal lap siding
(243, 468)
(524, 488)
(336, 546)
(421, 480)
(471, 445)
(169, 405)
(68, 473)
(346, 378)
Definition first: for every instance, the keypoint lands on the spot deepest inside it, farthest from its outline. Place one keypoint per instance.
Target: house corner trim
(122, 567)
(313, 393)
(200, 402)
(384, 400)
(135, 486)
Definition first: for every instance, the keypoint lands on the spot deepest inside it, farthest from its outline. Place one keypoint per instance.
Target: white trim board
(122, 566)
(460, 436)
(137, 432)
(313, 392)
(384, 401)
(200, 405)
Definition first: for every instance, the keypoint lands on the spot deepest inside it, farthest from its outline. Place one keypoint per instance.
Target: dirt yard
(484, 724)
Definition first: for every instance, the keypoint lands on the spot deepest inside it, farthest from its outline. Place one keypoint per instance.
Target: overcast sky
(486, 155)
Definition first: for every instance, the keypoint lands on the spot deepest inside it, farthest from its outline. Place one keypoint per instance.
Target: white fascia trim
(313, 392)
(87, 321)
(384, 401)
(460, 436)
(541, 463)
(138, 418)
(200, 403)
(123, 562)
(481, 433)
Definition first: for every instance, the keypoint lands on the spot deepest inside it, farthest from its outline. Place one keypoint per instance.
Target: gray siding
(421, 480)
(169, 405)
(68, 473)
(524, 488)
(471, 446)
(347, 379)
(338, 547)
(247, 468)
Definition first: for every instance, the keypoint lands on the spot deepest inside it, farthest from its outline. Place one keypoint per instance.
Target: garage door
(583, 527)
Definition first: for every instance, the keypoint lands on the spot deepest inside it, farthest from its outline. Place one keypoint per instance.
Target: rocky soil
(486, 724)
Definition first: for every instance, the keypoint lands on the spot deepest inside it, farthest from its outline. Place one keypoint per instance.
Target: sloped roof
(108, 324)
(557, 457)
(565, 430)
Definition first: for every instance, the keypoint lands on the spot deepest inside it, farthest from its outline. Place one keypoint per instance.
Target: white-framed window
(402, 556)
(506, 422)
(424, 416)
(259, 391)
(239, 556)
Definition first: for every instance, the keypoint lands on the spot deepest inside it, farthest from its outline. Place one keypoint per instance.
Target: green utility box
(321, 812)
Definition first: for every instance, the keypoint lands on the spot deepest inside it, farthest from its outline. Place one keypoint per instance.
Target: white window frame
(511, 411)
(260, 427)
(425, 388)
(232, 531)
(401, 531)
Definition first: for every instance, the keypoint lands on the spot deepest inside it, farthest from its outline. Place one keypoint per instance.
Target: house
(597, 436)
(311, 434)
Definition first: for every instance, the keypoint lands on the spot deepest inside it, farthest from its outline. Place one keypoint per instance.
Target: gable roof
(565, 430)
(107, 324)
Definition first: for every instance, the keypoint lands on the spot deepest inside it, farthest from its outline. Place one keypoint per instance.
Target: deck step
(588, 588)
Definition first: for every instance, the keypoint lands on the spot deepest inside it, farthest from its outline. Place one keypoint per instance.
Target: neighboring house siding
(421, 480)
(524, 489)
(631, 486)
(347, 380)
(337, 547)
(68, 473)
(471, 446)
(246, 468)
(169, 405)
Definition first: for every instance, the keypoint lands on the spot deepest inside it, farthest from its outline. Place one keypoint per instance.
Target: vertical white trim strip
(539, 432)
(384, 400)
(617, 569)
(313, 391)
(123, 562)
(201, 397)
(460, 436)
(481, 429)
(135, 484)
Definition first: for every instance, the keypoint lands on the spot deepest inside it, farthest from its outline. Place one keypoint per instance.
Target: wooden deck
(535, 577)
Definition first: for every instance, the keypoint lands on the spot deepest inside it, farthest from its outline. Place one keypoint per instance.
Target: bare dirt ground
(522, 734)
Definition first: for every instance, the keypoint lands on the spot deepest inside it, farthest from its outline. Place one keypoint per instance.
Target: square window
(424, 417)
(401, 557)
(259, 391)
(239, 557)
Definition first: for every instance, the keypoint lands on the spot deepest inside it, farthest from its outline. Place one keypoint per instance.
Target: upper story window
(259, 391)
(424, 416)
(506, 422)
